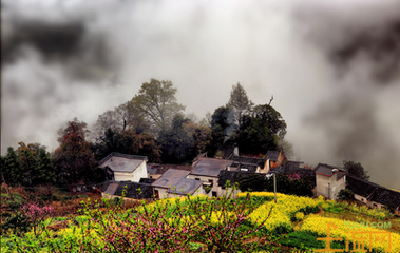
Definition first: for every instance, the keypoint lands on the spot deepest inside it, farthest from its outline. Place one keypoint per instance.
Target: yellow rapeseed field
(380, 240)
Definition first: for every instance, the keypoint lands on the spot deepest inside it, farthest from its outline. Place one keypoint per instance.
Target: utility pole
(275, 197)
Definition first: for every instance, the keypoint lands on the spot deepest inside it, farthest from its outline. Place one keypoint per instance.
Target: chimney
(236, 151)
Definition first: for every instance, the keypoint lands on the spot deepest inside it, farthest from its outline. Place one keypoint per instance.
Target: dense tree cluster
(151, 124)
(30, 165)
(254, 128)
(74, 159)
(355, 169)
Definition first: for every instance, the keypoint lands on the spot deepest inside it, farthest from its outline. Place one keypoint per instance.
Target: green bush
(302, 240)
(346, 194)
(331, 206)
(15, 201)
(17, 223)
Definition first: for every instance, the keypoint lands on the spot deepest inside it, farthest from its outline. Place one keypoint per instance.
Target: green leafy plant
(18, 223)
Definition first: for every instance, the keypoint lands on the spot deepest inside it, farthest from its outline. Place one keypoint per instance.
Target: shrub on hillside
(345, 194)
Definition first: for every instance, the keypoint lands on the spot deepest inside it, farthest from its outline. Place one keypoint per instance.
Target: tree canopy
(151, 124)
(124, 117)
(156, 99)
(10, 169)
(220, 128)
(355, 169)
(30, 165)
(239, 103)
(74, 159)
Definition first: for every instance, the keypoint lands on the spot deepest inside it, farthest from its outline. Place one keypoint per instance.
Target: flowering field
(176, 224)
(284, 211)
(315, 224)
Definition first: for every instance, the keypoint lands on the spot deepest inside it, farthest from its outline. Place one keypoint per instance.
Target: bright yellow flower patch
(319, 225)
(283, 211)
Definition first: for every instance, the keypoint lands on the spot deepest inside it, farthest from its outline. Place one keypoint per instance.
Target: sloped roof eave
(324, 174)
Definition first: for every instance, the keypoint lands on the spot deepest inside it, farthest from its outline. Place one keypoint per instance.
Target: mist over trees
(255, 129)
(356, 169)
(151, 124)
(239, 104)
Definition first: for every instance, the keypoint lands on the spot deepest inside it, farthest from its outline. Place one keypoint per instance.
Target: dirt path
(321, 211)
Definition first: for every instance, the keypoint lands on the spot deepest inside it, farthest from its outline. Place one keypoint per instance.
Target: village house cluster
(209, 176)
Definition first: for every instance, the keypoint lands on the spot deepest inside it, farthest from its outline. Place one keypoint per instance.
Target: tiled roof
(134, 189)
(327, 170)
(109, 187)
(373, 191)
(244, 166)
(159, 169)
(122, 163)
(116, 154)
(211, 167)
(273, 155)
(147, 180)
(292, 165)
(176, 180)
(387, 197)
(360, 186)
(249, 160)
(341, 174)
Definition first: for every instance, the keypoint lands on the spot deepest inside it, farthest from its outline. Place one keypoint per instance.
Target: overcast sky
(332, 67)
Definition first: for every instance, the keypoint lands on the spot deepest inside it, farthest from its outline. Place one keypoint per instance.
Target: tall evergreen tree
(239, 103)
(11, 169)
(45, 170)
(220, 129)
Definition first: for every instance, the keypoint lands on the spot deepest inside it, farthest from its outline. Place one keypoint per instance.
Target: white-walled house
(125, 167)
(174, 183)
(330, 180)
(207, 170)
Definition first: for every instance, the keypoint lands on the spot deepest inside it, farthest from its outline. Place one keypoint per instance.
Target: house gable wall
(139, 172)
(329, 186)
(124, 176)
(214, 188)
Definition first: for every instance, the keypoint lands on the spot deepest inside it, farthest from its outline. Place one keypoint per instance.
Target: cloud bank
(331, 67)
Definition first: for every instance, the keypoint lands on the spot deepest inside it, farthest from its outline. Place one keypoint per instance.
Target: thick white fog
(331, 67)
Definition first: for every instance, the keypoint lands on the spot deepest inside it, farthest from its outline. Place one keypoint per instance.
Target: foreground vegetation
(249, 222)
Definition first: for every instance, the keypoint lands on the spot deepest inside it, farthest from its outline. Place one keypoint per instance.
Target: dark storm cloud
(53, 61)
(379, 44)
(356, 32)
(66, 41)
(362, 42)
(53, 41)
